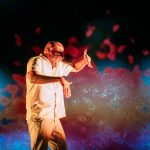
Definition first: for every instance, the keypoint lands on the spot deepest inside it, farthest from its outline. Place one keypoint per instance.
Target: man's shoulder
(35, 58)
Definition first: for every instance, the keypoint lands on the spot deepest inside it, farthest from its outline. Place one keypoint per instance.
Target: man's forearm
(79, 65)
(39, 79)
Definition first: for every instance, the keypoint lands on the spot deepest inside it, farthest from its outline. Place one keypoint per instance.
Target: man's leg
(57, 140)
(37, 140)
(48, 131)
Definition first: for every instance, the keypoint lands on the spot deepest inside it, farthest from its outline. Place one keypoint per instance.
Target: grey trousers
(46, 132)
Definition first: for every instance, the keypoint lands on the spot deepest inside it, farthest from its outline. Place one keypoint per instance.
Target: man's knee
(57, 140)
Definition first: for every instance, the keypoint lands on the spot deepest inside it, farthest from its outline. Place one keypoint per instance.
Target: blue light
(17, 140)
(146, 80)
(102, 64)
(1, 107)
(145, 63)
(5, 79)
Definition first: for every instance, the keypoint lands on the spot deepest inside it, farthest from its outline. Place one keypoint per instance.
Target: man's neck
(52, 60)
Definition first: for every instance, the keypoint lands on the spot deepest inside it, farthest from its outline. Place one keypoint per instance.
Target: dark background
(60, 20)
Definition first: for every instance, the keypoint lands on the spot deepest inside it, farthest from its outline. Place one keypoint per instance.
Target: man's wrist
(62, 80)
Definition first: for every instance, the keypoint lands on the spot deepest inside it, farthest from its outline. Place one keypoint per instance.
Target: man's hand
(88, 59)
(66, 87)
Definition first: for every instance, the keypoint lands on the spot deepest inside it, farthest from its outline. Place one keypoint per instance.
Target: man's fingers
(89, 65)
(88, 59)
(85, 52)
(67, 91)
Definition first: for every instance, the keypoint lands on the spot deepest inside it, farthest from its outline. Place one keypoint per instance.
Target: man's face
(56, 51)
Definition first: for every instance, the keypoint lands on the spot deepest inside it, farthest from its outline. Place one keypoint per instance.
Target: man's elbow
(75, 69)
(31, 77)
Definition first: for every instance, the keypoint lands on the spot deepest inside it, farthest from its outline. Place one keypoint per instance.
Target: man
(46, 87)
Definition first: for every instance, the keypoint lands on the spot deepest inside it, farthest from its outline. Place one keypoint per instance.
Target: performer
(46, 87)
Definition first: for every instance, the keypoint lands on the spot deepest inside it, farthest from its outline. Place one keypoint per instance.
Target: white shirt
(45, 100)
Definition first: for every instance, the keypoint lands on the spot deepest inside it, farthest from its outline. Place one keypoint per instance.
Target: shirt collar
(42, 55)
